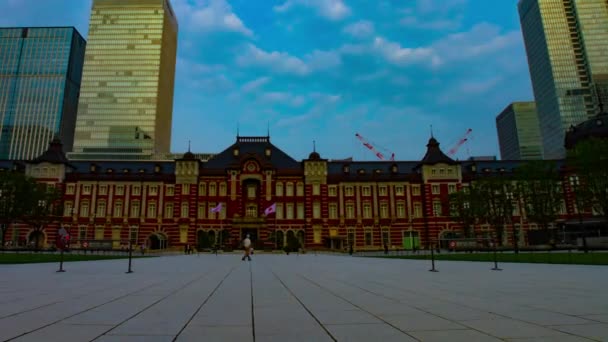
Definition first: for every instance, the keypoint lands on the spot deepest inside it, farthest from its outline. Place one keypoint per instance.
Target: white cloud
(210, 15)
(481, 39)
(283, 62)
(360, 29)
(213, 84)
(437, 24)
(398, 55)
(191, 67)
(285, 98)
(255, 84)
(330, 9)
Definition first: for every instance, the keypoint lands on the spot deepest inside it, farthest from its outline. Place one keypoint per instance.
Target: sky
(324, 70)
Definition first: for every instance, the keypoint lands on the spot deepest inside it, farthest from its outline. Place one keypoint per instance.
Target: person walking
(247, 247)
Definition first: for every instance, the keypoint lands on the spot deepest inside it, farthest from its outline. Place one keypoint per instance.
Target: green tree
(44, 207)
(14, 199)
(539, 186)
(589, 160)
(464, 208)
(495, 198)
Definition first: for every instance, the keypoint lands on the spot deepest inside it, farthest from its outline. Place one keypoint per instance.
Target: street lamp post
(575, 184)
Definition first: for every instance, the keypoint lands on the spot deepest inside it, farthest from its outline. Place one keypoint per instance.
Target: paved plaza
(301, 298)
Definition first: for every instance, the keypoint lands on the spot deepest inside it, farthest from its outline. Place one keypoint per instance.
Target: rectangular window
(185, 209)
(289, 189)
(169, 210)
(348, 191)
(451, 188)
(435, 189)
(383, 210)
(136, 190)
(185, 189)
(417, 210)
(416, 190)
(316, 210)
(279, 189)
(400, 209)
(399, 190)
(213, 215)
(279, 213)
(350, 237)
(369, 241)
(84, 209)
(212, 189)
(316, 189)
(367, 210)
(103, 190)
(67, 209)
(120, 190)
(118, 209)
(442, 172)
(86, 189)
(300, 189)
(350, 211)
(317, 234)
(333, 211)
(70, 189)
(223, 189)
(332, 191)
(201, 210)
(170, 191)
(437, 209)
(135, 209)
(290, 211)
(202, 189)
(366, 191)
(153, 190)
(251, 191)
(386, 240)
(152, 210)
(382, 190)
(101, 209)
(300, 211)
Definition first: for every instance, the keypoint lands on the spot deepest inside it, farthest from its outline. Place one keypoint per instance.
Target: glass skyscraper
(519, 132)
(126, 97)
(567, 47)
(40, 72)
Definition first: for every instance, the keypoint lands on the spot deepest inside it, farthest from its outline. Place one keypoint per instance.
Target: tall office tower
(567, 43)
(519, 132)
(126, 98)
(40, 72)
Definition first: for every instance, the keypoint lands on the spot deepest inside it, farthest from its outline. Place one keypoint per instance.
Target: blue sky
(326, 69)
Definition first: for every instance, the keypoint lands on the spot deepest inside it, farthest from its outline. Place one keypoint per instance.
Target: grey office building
(40, 72)
(519, 132)
(567, 46)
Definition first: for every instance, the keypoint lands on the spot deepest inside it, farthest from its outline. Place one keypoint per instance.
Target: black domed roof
(314, 156)
(596, 127)
(189, 156)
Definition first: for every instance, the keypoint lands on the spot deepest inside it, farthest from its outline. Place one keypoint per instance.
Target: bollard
(433, 260)
(61, 262)
(130, 256)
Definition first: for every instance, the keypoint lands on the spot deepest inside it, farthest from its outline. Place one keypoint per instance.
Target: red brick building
(326, 204)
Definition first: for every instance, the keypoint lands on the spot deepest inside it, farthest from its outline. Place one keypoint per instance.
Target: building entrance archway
(157, 241)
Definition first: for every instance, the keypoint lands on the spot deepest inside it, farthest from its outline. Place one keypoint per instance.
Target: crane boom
(371, 147)
(460, 142)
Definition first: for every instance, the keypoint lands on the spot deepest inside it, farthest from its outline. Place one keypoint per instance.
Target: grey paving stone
(597, 332)
(135, 338)
(421, 322)
(62, 332)
(508, 328)
(368, 332)
(453, 336)
(216, 333)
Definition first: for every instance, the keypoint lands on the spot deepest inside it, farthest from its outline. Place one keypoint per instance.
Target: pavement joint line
(463, 305)
(357, 306)
(203, 303)
(252, 303)
(149, 306)
(304, 306)
(80, 312)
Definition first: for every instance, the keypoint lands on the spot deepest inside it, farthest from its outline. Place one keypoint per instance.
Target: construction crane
(370, 146)
(460, 142)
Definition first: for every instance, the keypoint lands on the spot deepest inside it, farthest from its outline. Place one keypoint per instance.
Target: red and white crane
(460, 142)
(370, 146)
